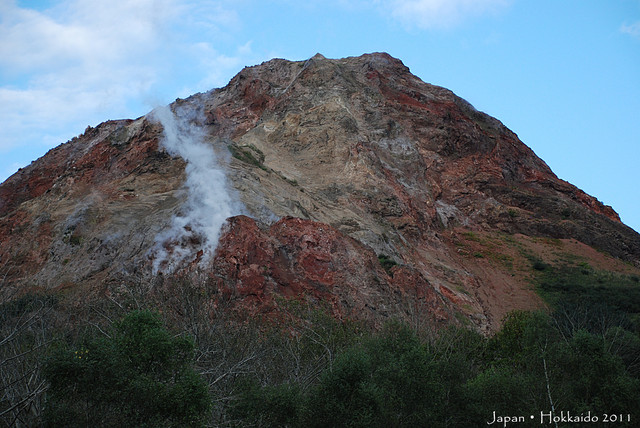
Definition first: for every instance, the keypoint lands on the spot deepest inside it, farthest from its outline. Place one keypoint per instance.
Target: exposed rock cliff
(336, 163)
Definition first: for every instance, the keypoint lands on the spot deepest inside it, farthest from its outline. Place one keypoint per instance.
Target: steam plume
(209, 202)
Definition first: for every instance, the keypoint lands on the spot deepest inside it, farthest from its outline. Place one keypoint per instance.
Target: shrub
(387, 263)
(390, 380)
(140, 375)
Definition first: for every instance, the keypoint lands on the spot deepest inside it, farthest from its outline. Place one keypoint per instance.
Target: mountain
(349, 183)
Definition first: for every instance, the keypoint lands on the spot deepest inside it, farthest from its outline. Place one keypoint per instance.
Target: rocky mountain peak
(348, 181)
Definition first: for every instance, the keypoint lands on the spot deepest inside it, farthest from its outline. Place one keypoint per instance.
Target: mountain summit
(349, 182)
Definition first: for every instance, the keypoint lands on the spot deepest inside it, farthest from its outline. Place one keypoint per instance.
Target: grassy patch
(505, 259)
(248, 154)
(471, 236)
(539, 265)
(461, 289)
(579, 284)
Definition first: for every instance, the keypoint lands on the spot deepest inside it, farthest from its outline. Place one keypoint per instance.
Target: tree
(139, 374)
(24, 333)
(595, 378)
(391, 380)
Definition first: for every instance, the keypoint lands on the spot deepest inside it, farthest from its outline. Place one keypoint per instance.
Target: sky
(563, 75)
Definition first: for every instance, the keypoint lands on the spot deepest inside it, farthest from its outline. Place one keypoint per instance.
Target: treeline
(459, 379)
(138, 373)
(176, 361)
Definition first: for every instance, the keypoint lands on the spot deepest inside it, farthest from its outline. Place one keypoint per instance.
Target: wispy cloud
(631, 29)
(431, 14)
(84, 61)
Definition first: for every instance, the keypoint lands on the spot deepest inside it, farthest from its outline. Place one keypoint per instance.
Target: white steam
(209, 202)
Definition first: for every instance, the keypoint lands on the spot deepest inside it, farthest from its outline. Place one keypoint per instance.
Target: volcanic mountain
(348, 183)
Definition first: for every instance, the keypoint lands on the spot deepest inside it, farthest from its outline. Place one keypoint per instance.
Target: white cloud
(631, 29)
(80, 33)
(85, 61)
(429, 14)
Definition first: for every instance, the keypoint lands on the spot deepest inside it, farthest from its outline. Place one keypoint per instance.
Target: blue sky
(563, 75)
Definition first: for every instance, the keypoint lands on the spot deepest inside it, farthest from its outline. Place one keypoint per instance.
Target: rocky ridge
(364, 188)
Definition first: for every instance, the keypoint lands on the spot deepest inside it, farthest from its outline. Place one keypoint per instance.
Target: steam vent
(349, 184)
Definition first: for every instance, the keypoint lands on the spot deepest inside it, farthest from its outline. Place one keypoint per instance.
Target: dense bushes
(139, 375)
(457, 380)
(318, 372)
(580, 287)
(331, 376)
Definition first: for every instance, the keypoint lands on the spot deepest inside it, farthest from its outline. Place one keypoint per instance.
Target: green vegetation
(72, 239)
(456, 379)
(303, 368)
(578, 285)
(293, 182)
(471, 236)
(75, 240)
(539, 265)
(249, 154)
(387, 263)
(254, 156)
(137, 375)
